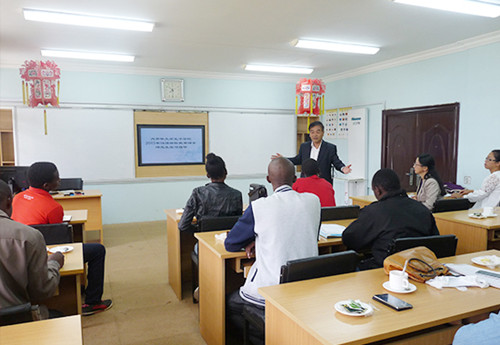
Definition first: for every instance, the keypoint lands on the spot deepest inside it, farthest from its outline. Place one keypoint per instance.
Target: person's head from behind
(5, 198)
(384, 181)
(216, 168)
(310, 167)
(280, 172)
(43, 175)
(316, 131)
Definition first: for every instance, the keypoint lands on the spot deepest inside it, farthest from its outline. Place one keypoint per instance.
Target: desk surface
(462, 217)
(60, 331)
(310, 305)
(86, 193)
(77, 216)
(217, 246)
(73, 261)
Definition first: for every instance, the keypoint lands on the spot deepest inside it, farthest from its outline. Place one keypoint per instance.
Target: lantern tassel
(45, 120)
(24, 94)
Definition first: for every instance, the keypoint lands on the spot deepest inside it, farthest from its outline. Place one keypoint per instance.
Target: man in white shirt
(284, 227)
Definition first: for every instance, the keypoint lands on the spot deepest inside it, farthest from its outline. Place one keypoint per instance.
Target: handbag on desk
(422, 264)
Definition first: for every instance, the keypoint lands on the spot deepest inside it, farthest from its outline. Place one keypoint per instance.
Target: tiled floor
(145, 309)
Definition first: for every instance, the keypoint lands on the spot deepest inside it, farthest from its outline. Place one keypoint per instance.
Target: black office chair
(339, 212)
(19, 314)
(209, 223)
(71, 183)
(302, 269)
(56, 233)
(447, 205)
(441, 245)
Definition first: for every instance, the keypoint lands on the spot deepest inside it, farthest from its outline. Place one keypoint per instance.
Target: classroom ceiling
(218, 37)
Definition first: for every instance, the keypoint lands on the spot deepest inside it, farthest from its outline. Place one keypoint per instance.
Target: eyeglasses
(417, 164)
(490, 160)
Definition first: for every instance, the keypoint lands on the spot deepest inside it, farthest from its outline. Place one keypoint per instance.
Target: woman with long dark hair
(431, 187)
(489, 193)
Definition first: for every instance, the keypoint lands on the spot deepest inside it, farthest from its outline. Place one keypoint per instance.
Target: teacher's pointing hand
(276, 156)
(347, 169)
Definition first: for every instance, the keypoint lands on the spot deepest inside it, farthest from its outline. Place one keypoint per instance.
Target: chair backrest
(71, 183)
(447, 205)
(217, 223)
(256, 191)
(19, 314)
(56, 233)
(339, 212)
(441, 245)
(319, 266)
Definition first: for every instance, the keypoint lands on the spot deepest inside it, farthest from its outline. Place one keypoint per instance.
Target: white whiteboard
(94, 144)
(247, 141)
(98, 144)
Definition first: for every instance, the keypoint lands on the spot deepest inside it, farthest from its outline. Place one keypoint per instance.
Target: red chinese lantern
(310, 99)
(39, 84)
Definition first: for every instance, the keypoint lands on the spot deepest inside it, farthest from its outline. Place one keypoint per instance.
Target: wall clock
(172, 90)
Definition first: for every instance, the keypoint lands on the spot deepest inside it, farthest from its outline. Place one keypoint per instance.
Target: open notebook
(331, 230)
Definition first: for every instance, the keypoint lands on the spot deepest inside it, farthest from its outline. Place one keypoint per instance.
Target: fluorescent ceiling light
(279, 69)
(336, 47)
(85, 20)
(478, 8)
(87, 55)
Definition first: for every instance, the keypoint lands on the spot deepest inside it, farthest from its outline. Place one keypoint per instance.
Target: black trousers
(236, 323)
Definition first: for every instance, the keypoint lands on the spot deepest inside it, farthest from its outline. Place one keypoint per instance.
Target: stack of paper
(331, 230)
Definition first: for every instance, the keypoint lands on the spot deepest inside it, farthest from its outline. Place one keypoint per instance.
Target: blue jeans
(94, 254)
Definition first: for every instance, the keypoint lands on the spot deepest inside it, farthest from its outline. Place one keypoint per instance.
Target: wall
(144, 200)
(470, 77)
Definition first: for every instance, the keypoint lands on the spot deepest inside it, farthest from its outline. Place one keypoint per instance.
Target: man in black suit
(321, 151)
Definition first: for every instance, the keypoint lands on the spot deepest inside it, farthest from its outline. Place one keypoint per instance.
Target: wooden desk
(473, 234)
(180, 245)
(363, 201)
(78, 220)
(62, 331)
(90, 201)
(303, 312)
(69, 298)
(217, 278)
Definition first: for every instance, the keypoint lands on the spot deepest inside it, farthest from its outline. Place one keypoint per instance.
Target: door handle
(411, 174)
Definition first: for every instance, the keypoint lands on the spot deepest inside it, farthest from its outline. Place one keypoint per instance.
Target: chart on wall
(351, 125)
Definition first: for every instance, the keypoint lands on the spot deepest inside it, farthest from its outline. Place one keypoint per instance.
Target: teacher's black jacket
(326, 158)
(395, 215)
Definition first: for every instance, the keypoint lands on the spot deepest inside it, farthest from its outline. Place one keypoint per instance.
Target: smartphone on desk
(393, 302)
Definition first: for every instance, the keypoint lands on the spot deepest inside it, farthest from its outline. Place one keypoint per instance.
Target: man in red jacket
(314, 184)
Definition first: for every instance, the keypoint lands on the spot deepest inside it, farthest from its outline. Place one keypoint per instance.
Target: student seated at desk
(489, 193)
(36, 206)
(281, 227)
(486, 332)
(215, 199)
(312, 183)
(394, 215)
(431, 187)
(26, 273)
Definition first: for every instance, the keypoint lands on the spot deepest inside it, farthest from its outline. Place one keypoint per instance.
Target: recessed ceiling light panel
(279, 69)
(86, 20)
(87, 55)
(336, 47)
(477, 8)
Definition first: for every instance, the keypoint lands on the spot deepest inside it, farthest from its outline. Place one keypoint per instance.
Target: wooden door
(409, 132)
